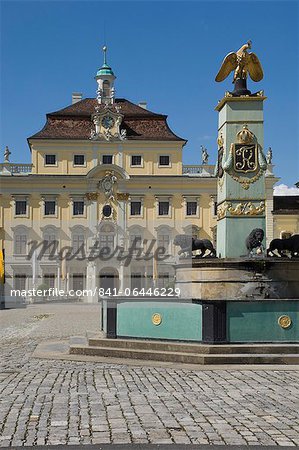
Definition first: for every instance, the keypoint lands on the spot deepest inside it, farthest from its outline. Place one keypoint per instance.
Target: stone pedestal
(243, 299)
(241, 168)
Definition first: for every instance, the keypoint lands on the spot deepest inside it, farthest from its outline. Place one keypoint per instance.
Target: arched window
(163, 239)
(192, 230)
(78, 239)
(106, 236)
(20, 241)
(50, 240)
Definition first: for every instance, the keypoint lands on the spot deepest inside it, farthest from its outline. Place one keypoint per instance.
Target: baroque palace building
(107, 171)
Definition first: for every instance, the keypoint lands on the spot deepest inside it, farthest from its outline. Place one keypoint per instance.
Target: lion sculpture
(290, 244)
(254, 241)
(189, 244)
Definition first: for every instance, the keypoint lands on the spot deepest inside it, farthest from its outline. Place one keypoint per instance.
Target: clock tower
(105, 79)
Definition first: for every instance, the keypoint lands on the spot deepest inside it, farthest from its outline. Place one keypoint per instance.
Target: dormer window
(164, 160)
(136, 160)
(79, 160)
(50, 160)
(107, 159)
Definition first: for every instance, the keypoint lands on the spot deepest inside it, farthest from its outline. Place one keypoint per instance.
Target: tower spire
(105, 55)
(105, 79)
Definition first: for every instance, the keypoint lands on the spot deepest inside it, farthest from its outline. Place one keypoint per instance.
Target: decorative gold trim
(91, 195)
(221, 210)
(243, 98)
(247, 209)
(156, 319)
(241, 151)
(284, 321)
(241, 209)
(245, 136)
(245, 182)
(122, 196)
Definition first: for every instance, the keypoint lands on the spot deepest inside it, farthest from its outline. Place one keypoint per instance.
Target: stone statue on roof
(204, 155)
(269, 156)
(7, 153)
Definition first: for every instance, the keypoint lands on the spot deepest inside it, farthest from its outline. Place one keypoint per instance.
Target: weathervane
(242, 63)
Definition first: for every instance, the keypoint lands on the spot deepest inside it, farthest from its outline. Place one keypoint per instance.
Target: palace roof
(75, 122)
(286, 204)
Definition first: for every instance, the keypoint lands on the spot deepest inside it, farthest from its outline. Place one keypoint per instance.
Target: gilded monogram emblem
(245, 158)
(284, 321)
(156, 319)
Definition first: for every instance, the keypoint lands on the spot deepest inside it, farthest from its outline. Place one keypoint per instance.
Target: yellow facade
(61, 196)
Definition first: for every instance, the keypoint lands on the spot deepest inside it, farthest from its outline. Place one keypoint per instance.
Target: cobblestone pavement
(63, 402)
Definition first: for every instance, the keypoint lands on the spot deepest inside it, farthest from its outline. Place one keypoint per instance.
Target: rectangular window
(78, 242)
(50, 242)
(50, 207)
(191, 208)
(50, 160)
(78, 281)
(20, 244)
(163, 242)
(136, 243)
(49, 280)
(136, 281)
(20, 282)
(78, 208)
(79, 160)
(163, 280)
(136, 160)
(164, 160)
(21, 207)
(107, 159)
(163, 208)
(135, 208)
(107, 241)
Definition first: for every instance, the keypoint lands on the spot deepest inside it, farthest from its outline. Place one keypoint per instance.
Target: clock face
(108, 122)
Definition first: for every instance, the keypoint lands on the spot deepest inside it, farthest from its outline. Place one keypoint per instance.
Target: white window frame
(137, 232)
(26, 212)
(136, 199)
(107, 154)
(164, 165)
(22, 198)
(49, 230)
(78, 199)
(50, 198)
(20, 231)
(78, 231)
(192, 198)
(164, 199)
(136, 165)
(51, 165)
(79, 165)
(164, 232)
(55, 208)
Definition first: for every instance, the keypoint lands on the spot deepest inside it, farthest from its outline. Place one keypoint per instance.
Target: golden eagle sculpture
(242, 63)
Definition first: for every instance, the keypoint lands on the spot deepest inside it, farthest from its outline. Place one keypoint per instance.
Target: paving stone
(68, 402)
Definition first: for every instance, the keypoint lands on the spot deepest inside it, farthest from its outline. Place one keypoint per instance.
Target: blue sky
(166, 53)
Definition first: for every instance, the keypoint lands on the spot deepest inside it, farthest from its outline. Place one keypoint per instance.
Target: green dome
(105, 70)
